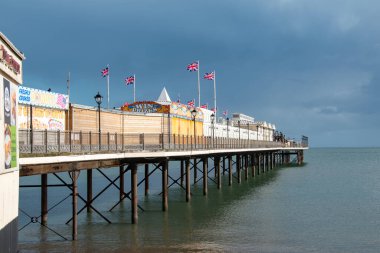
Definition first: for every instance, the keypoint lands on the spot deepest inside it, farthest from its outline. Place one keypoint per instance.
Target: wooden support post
(229, 170)
(182, 171)
(215, 172)
(246, 165)
(188, 194)
(217, 169)
(44, 199)
(258, 161)
(89, 190)
(74, 176)
(272, 160)
(253, 164)
(195, 170)
(134, 196)
(299, 157)
(205, 175)
(146, 179)
(265, 162)
(238, 167)
(165, 167)
(121, 181)
(224, 165)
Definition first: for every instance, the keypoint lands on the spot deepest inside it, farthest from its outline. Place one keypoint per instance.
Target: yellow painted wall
(186, 127)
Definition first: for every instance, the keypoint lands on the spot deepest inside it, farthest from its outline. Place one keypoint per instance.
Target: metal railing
(62, 142)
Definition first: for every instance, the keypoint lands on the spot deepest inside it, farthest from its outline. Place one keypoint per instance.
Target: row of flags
(129, 80)
(194, 66)
(191, 67)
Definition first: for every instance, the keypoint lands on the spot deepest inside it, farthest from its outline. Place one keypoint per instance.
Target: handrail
(52, 142)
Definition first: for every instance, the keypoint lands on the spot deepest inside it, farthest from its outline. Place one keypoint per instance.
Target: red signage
(9, 61)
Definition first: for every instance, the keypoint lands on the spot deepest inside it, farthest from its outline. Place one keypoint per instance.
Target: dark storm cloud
(308, 66)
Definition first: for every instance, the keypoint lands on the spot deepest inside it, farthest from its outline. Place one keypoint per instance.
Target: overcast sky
(310, 67)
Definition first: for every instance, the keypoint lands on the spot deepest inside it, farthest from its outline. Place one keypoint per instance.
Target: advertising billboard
(30, 96)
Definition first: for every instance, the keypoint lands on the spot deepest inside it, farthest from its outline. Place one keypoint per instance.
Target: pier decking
(234, 157)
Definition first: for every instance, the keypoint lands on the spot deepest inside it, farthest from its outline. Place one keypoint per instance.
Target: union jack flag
(193, 66)
(209, 76)
(191, 103)
(129, 80)
(225, 113)
(105, 72)
(204, 106)
(214, 109)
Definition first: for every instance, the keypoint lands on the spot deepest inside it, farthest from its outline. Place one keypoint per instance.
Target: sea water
(331, 204)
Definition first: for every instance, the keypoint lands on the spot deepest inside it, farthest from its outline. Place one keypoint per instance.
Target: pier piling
(238, 168)
(165, 166)
(188, 195)
(229, 170)
(121, 183)
(205, 175)
(134, 198)
(89, 190)
(44, 199)
(146, 179)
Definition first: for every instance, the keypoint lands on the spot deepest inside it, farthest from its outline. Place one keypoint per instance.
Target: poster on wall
(42, 118)
(10, 130)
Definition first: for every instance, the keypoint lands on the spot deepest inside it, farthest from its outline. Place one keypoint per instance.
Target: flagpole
(108, 87)
(68, 95)
(134, 88)
(199, 86)
(215, 93)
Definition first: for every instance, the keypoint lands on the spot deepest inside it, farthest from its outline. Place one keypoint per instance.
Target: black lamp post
(98, 98)
(257, 132)
(248, 131)
(212, 117)
(193, 115)
(228, 120)
(239, 130)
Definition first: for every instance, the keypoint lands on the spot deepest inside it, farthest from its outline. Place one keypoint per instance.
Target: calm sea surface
(332, 204)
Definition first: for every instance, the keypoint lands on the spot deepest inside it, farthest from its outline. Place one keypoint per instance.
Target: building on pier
(11, 75)
(45, 110)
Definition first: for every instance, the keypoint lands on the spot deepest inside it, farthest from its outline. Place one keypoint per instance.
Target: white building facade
(10, 77)
(240, 126)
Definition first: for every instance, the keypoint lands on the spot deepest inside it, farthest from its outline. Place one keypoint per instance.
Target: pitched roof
(164, 97)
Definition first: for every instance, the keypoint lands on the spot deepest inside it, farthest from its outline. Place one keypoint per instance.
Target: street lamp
(228, 120)
(98, 99)
(212, 117)
(257, 132)
(193, 115)
(239, 130)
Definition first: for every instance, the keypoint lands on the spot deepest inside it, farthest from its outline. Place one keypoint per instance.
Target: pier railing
(60, 142)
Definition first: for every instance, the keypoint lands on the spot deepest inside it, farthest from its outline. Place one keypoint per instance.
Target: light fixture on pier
(193, 115)
(212, 117)
(228, 122)
(98, 99)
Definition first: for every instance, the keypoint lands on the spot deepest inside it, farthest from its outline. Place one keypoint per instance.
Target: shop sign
(8, 60)
(146, 107)
(10, 127)
(42, 98)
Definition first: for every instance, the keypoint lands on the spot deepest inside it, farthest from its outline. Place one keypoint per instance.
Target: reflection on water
(329, 205)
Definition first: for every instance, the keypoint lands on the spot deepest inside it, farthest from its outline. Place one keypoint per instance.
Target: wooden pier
(208, 161)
